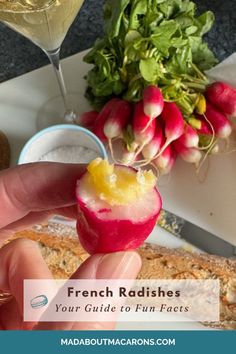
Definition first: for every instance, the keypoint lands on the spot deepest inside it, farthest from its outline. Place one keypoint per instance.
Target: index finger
(36, 187)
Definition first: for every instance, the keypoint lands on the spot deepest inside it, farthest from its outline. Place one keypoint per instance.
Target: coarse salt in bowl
(63, 143)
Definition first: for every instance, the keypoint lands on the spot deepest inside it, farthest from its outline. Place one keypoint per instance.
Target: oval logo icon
(39, 301)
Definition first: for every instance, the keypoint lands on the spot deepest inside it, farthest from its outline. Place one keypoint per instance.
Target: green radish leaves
(205, 22)
(150, 70)
(157, 42)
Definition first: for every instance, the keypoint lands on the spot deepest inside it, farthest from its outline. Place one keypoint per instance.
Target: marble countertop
(18, 55)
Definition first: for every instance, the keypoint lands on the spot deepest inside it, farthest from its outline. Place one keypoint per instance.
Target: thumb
(120, 265)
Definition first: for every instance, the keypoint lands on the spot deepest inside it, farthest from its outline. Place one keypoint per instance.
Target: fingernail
(124, 265)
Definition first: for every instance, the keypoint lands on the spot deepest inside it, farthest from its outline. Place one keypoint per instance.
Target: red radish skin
(143, 131)
(221, 124)
(173, 124)
(87, 119)
(205, 128)
(190, 155)
(152, 148)
(118, 119)
(103, 228)
(153, 101)
(190, 138)
(223, 97)
(102, 118)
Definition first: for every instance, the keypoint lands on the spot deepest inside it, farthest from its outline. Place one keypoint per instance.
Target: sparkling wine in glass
(45, 23)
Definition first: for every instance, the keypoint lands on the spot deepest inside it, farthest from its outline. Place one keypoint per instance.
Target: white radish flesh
(142, 134)
(152, 148)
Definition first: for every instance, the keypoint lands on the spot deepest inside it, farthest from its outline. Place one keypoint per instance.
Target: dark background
(18, 55)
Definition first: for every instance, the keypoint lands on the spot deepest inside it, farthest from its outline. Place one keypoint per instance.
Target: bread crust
(5, 151)
(163, 263)
(63, 255)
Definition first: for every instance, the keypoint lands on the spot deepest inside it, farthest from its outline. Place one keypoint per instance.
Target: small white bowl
(58, 136)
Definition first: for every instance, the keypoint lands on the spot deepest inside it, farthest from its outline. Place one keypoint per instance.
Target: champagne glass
(46, 23)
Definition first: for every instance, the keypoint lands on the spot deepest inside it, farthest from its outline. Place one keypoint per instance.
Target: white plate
(211, 205)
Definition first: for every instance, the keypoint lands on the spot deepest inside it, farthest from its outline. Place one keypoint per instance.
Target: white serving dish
(58, 136)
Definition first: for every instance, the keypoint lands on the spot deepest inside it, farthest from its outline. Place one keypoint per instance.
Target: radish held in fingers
(118, 119)
(221, 124)
(118, 207)
(87, 119)
(153, 101)
(191, 155)
(152, 148)
(143, 131)
(190, 137)
(223, 97)
(102, 117)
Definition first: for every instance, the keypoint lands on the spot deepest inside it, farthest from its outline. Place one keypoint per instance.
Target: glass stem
(54, 57)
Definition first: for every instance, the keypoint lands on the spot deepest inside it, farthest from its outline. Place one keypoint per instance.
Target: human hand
(29, 194)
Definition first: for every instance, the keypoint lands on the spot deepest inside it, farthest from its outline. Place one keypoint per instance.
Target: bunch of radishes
(156, 132)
